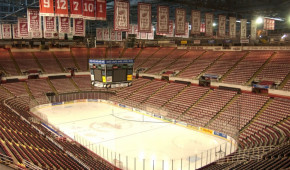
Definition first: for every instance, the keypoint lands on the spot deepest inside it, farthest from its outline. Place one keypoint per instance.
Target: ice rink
(134, 141)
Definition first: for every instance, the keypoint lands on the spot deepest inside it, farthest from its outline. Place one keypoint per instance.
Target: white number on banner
(46, 3)
(76, 5)
(89, 7)
(101, 8)
(63, 6)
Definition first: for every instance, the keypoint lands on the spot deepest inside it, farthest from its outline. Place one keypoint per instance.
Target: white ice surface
(117, 133)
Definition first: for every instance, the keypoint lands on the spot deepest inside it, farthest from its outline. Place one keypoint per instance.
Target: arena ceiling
(249, 9)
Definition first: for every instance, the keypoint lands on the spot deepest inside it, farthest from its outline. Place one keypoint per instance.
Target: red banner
(180, 19)
(34, 22)
(79, 27)
(195, 22)
(202, 27)
(46, 8)
(119, 36)
(232, 29)
(269, 24)
(63, 24)
(15, 31)
(208, 24)
(101, 12)
(106, 34)
(23, 28)
(144, 17)
(89, 9)
(163, 19)
(61, 8)
(6, 31)
(36, 34)
(121, 15)
(99, 32)
(222, 26)
(112, 35)
(171, 29)
(49, 24)
(76, 9)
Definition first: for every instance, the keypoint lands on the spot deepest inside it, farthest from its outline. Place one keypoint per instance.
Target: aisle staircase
(52, 86)
(209, 66)
(160, 88)
(139, 53)
(74, 59)
(138, 89)
(173, 62)
(177, 94)
(37, 62)
(149, 57)
(122, 53)
(75, 84)
(223, 109)
(160, 60)
(195, 103)
(284, 82)
(3, 70)
(233, 67)
(260, 69)
(188, 65)
(58, 62)
(264, 107)
(15, 63)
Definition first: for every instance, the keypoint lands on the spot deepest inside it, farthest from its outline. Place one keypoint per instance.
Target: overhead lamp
(259, 20)
(214, 24)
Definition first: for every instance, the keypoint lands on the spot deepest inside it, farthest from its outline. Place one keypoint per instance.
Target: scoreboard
(111, 73)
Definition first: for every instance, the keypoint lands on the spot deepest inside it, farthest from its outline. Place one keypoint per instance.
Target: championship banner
(202, 27)
(15, 31)
(61, 8)
(208, 24)
(243, 29)
(186, 35)
(162, 20)
(63, 24)
(253, 30)
(121, 15)
(89, 9)
(222, 26)
(23, 28)
(112, 35)
(171, 29)
(143, 36)
(180, 19)
(144, 17)
(101, 12)
(46, 8)
(99, 32)
(195, 22)
(79, 27)
(76, 9)
(6, 31)
(49, 24)
(119, 36)
(34, 20)
(136, 31)
(106, 34)
(36, 34)
(232, 29)
(150, 36)
(269, 24)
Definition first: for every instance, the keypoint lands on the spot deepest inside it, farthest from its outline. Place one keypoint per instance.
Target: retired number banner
(195, 22)
(144, 17)
(232, 29)
(61, 8)
(76, 9)
(46, 8)
(121, 15)
(49, 24)
(23, 28)
(15, 31)
(180, 19)
(34, 22)
(243, 29)
(101, 12)
(63, 24)
(79, 27)
(6, 31)
(222, 26)
(89, 9)
(208, 24)
(253, 30)
(99, 32)
(163, 19)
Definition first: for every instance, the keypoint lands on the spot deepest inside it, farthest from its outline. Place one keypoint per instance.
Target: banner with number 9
(46, 8)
